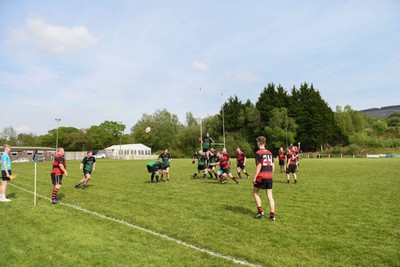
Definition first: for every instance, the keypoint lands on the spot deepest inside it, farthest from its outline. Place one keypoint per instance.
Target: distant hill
(379, 113)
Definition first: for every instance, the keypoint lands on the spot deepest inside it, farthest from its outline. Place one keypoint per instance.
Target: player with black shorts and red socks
(282, 159)
(241, 163)
(59, 168)
(292, 165)
(263, 178)
(224, 162)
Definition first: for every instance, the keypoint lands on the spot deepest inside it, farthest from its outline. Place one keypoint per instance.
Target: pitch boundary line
(180, 242)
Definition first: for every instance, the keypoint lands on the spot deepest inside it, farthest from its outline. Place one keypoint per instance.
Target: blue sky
(90, 61)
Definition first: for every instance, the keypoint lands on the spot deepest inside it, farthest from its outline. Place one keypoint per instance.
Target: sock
(156, 178)
(272, 214)
(210, 174)
(152, 177)
(216, 176)
(240, 175)
(235, 179)
(204, 176)
(260, 209)
(247, 174)
(54, 193)
(2, 196)
(195, 174)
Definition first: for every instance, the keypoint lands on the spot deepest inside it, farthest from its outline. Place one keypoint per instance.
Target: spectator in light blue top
(5, 172)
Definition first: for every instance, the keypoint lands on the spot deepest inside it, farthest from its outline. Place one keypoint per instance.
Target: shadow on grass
(239, 209)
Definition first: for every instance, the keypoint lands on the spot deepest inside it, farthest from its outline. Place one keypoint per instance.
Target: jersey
(156, 165)
(207, 142)
(5, 157)
(88, 163)
(212, 157)
(240, 156)
(58, 160)
(223, 161)
(292, 158)
(201, 160)
(265, 158)
(165, 158)
(282, 156)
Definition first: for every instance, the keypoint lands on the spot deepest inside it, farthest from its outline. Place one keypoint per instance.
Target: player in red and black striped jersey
(263, 178)
(241, 162)
(282, 159)
(59, 168)
(224, 162)
(292, 164)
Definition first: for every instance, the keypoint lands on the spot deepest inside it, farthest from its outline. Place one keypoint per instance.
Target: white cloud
(246, 76)
(200, 66)
(53, 39)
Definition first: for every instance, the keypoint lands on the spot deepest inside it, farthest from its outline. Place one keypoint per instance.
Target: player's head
(61, 151)
(89, 153)
(238, 149)
(261, 141)
(7, 147)
(165, 150)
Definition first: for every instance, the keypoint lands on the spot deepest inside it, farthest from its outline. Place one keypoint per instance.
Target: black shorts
(227, 171)
(291, 168)
(56, 178)
(166, 167)
(206, 149)
(201, 167)
(152, 168)
(86, 172)
(264, 184)
(281, 162)
(4, 176)
(240, 166)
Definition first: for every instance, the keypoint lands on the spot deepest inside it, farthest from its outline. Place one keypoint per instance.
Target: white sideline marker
(213, 253)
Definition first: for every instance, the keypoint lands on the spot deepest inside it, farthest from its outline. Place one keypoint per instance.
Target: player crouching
(154, 167)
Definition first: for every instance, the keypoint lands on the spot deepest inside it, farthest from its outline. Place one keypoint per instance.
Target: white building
(130, 151)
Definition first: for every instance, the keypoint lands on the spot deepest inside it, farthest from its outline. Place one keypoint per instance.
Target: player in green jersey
(88, 165)
(166, 159)
(201, 164)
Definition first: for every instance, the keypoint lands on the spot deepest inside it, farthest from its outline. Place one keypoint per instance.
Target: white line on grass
(213, 253)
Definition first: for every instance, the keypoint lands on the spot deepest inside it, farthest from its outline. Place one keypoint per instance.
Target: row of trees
(284, 117)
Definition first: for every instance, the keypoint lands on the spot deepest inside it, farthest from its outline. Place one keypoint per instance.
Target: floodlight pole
(286, 129)
(201, 133)
(57, 120)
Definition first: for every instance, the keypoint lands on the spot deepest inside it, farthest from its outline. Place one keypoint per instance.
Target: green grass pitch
(343, 212)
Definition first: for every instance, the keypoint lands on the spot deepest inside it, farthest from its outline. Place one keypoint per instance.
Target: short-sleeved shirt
(212, 157)
(88, 163)
(58, 160)
(155, 165)
(165, 157)
(292, 158)
(207, 142)
(240, 156)
(224, 161)
(265, 158)
(5, 157)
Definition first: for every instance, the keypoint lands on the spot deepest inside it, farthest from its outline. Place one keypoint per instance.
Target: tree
(269, 99)
(29, 140)
(9, 134)
(164, 127)
(281, 130)
(315, 119)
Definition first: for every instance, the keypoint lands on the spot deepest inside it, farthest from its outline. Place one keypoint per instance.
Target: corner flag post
(35, 159)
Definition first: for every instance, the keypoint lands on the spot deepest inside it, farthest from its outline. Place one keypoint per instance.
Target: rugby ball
(148, 130)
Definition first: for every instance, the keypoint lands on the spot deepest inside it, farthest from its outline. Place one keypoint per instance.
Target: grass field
(343, 212)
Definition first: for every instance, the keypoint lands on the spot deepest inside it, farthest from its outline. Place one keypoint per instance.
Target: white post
(34, 187)
(201, 134)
